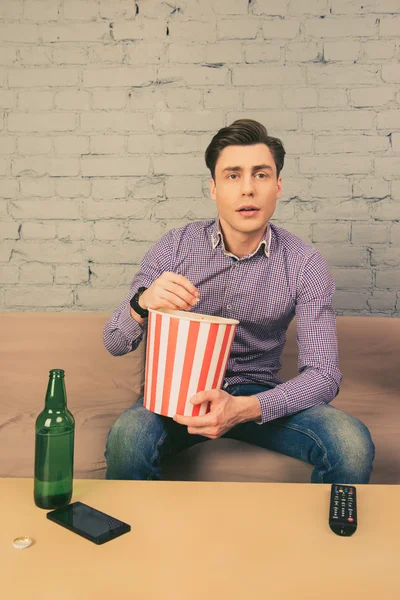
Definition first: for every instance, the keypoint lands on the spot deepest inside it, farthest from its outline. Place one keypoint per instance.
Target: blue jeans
(338, 445)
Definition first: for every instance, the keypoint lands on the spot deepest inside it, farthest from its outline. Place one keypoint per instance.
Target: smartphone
(90, 523)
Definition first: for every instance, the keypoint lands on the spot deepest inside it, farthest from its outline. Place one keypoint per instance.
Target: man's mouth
(248, 209)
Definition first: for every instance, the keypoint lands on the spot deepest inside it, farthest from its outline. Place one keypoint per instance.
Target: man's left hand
(223, 415)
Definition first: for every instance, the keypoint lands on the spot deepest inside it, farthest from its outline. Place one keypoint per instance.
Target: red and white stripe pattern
(186, 353)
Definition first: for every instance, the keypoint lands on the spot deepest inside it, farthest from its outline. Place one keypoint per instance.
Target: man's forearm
(122, 332)
(249, 408)
(309, 388)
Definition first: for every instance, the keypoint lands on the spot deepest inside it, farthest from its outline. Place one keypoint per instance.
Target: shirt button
(229, 307)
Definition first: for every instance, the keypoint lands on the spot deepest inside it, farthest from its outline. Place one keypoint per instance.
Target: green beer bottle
(54, 447)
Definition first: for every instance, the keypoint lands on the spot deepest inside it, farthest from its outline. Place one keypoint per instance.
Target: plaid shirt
(284, 278)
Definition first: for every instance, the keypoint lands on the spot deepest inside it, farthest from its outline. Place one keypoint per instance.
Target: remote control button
(350, 520)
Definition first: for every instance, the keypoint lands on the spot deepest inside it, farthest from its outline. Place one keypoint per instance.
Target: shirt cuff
(273, 405)
(131, 329)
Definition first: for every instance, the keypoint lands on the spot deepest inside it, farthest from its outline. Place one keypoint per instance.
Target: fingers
(182, 281)
(200, 421)
(166, 304)
(171, 291)
(166, 299)
(206, 425)
(177, 294)
(204, 431)
(207, 395)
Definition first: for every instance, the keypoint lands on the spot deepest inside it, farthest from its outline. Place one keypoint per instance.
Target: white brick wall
(106, 109)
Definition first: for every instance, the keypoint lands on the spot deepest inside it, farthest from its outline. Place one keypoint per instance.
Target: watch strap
(134, 302)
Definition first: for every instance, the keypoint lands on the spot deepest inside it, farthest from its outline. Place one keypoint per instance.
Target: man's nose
(248, 186)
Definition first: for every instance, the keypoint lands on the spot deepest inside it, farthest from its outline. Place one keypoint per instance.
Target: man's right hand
(170, 291)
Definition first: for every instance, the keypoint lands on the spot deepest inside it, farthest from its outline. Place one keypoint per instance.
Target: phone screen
(88, 522)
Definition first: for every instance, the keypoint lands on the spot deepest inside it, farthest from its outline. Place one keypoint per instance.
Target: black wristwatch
(142, 312)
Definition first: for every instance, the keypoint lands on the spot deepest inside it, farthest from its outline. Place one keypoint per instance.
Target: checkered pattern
(283, 279)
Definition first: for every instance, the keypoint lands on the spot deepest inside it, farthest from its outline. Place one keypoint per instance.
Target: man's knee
(352, 446)
(135, 426)
(343, 450)
(362, 449)
(132, 442)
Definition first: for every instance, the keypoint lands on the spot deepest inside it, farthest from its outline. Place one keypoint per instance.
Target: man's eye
(232, 175)
(261, 175)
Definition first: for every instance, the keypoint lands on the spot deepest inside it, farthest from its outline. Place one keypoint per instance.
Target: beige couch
(100, 387)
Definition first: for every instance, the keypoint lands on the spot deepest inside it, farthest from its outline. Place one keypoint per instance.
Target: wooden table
(193, 540)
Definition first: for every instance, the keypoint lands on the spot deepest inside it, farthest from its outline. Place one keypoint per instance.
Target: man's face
(246, 188)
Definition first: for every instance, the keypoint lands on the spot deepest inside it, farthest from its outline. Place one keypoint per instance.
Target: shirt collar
(217, 238)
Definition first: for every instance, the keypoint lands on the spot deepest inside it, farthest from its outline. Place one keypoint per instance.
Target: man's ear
(279, 187)
(213, 192)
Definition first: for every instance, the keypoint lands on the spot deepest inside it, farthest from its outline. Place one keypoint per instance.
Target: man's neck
(238, 243)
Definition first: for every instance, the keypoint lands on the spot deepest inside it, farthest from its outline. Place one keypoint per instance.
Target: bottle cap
(22, 542)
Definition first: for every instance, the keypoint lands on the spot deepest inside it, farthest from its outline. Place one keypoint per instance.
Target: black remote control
(343, 509)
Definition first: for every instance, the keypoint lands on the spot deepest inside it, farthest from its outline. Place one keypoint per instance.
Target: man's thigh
(321, 430)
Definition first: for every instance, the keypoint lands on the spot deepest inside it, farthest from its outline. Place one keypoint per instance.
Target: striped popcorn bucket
(186, 353)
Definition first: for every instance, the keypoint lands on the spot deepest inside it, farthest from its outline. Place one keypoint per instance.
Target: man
(242, 266)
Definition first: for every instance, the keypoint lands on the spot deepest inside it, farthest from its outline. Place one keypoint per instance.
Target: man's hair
(244, 132)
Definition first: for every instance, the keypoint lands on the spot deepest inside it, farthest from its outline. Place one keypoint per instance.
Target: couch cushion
(99, 386)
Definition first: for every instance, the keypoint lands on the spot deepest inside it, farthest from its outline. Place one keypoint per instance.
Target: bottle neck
(56, 397)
